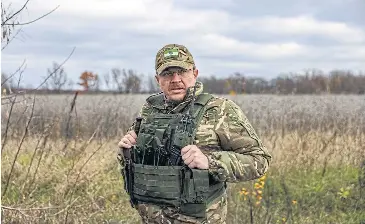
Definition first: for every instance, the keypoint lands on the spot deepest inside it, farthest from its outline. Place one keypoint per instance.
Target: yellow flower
(257, 185)
(294, 202)
(259, 191)
(258, 203)
(259, 197)
(243, 192)
(263, 178)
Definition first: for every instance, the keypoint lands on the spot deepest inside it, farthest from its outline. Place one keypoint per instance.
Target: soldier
(177, 158)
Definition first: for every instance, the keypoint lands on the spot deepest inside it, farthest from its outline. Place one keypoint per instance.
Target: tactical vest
(156, 173)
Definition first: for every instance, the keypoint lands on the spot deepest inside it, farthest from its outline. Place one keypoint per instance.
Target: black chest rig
(155, 172)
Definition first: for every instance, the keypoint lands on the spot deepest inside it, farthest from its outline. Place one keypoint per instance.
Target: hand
(194, 158)
(128, 140)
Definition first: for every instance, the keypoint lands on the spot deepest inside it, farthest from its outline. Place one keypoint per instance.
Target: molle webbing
(157, 184)
(178, 186)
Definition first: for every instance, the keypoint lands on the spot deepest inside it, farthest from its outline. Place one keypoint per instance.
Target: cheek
(189, 82)
(164, 85)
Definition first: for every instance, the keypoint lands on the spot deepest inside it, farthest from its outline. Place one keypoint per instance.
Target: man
(223, 147)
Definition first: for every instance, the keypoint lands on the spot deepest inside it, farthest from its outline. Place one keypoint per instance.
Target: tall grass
(59, 161)
(111, 114)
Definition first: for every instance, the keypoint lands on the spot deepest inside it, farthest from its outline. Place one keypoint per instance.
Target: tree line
(122, 81)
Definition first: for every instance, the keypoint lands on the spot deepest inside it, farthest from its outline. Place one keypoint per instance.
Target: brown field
(61, 167)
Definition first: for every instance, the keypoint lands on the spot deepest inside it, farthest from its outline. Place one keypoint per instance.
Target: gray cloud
(261, 38)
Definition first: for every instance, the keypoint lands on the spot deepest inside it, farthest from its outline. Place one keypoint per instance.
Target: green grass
(65, 187)
(303, 196)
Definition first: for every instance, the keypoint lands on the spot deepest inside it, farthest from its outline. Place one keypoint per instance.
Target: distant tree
(107, 81)
(59, 78)
(256, 85)
(5, 84)
(89, 81)
(131, 81)
(118, 79)
(152, 85)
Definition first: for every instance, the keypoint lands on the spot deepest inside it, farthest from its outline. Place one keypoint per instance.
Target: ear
(196, 73)
(157, 79)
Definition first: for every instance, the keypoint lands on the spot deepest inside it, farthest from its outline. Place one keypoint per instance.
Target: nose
(175, 77)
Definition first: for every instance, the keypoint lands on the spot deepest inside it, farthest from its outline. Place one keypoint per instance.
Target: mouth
(177, 89)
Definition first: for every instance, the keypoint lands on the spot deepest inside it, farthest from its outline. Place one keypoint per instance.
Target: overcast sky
(258, 38)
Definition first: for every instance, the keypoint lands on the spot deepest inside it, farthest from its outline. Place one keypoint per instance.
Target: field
(59, 165)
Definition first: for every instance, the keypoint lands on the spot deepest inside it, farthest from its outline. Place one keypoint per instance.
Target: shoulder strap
(200, 107)
(200, 103)
(203, 98)
(155, 99)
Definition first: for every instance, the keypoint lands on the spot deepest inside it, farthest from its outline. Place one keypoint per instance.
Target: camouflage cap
(173, 55)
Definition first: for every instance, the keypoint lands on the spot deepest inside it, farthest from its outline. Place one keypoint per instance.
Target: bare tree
(70, 84)
(131, 81)
(95, 83)
(59, 79)
(152, 85)
(107, 80)
(118, 79)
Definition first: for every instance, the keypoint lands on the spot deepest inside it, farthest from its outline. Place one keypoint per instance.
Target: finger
(192, 165)
(185, 149)
(187, 154)
(195, 149)
(189, 160)
(123, 144)
(131, 139)
(133, 134)
(126, 141)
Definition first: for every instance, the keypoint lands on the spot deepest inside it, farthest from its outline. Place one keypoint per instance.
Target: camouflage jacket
(235, 152)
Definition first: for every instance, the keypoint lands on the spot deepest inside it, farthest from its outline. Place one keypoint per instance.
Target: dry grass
(79, 184)
(83, 184)
(49, 178)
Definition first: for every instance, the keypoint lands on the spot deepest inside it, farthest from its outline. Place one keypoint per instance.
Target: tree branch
(59, 66)
(4, 81)
(21, 9)
(32, 21)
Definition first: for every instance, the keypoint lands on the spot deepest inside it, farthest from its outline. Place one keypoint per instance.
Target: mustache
(177, 87)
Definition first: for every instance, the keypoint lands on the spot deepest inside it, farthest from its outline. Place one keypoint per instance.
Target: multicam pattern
(241, 156)
(173, 55)
(225, 135)
(216, 213)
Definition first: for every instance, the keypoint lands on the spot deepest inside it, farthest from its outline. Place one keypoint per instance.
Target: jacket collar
(160, 102)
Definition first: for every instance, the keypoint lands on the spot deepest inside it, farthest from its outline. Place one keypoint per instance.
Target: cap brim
(181, 64)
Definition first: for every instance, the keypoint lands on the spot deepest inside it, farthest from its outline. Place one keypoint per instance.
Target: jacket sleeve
(241, 156)
(143, 112)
